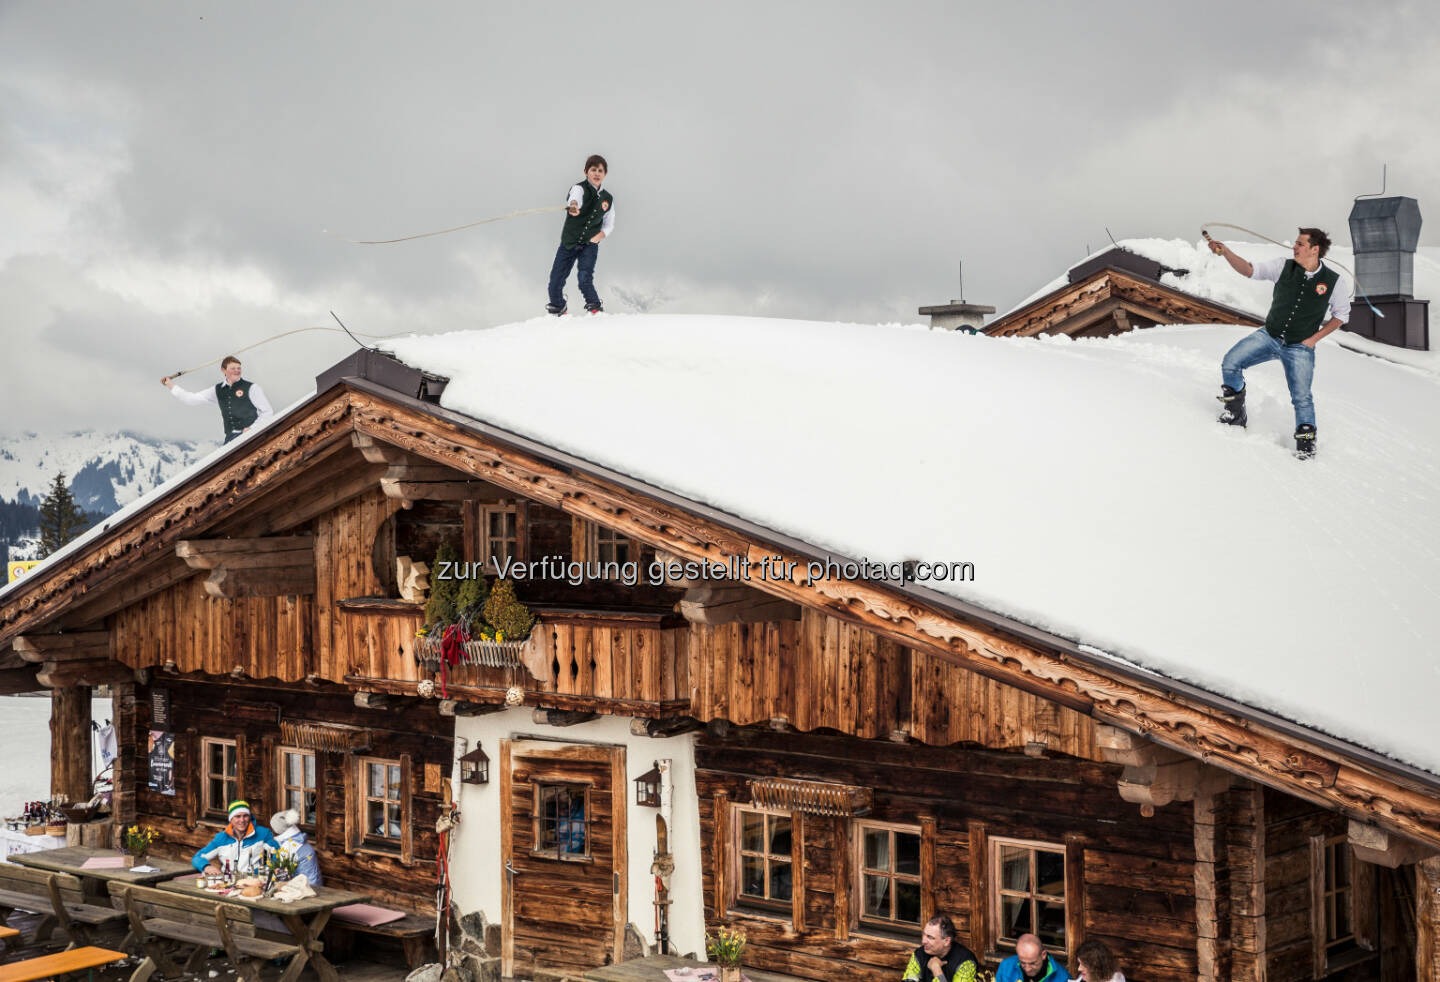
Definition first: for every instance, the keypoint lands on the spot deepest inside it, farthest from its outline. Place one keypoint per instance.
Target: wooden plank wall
(820, 672)
(248, 715)
(377, 646)
(1136, 881)
(262, 637)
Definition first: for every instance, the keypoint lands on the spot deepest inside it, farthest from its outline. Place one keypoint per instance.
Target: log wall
(249, 715)
(1130, 882)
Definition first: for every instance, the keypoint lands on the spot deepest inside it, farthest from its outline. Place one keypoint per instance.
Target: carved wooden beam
(264, 552)
(454, 707)
(76, 646)
(1384, 848)
(270, 566)
(1154, 775)
(1324, 774)
(666, 726)
(412, 491)
(562, 717)
(100, 671)
(17, 680)
(372, 700)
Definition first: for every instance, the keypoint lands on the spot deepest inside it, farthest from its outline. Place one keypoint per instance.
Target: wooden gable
(1112, 301)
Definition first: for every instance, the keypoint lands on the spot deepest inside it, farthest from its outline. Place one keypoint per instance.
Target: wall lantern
(475, 767)
(647, 787)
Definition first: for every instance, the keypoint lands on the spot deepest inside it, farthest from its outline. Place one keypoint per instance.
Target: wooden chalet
(825, 765)
(1110, 293)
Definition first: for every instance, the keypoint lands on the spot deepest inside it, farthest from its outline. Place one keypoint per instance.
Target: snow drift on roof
(1086, 480)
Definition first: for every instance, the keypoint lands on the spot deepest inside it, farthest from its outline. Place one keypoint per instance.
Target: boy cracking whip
(242, 403)
(1310, 301)
(591, 219)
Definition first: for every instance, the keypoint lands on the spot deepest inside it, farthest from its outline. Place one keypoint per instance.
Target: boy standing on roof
(1309, 302)
(242, 403)
(591, 219)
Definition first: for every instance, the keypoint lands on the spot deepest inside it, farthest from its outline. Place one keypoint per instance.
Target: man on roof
(590, 219)
(241, 844)
(1310, 301)
(242, 403)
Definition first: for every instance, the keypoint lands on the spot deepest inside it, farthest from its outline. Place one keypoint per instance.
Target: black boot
(551, 308)
(1305, 441)
(1234, 411)
(595, 308)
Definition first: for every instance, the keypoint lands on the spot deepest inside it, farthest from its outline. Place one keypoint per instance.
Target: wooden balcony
(626, 662)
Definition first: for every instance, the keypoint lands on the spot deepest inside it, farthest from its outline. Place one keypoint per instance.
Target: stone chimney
(957, 315)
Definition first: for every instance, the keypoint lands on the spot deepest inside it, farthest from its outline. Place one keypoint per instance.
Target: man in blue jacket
(1031, 963)
(240, 843)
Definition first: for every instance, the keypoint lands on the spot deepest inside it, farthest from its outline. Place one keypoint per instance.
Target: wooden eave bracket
(1155, 775)
(412, 478)
(74, 646)
(269, 566)
(727, 601)
(1383, 848)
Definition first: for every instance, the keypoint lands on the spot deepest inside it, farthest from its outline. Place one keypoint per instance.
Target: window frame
(537, 797)
(487, 541)
(210, 809)
(1332, 954)
(749, 903)
(283, 787)
(600, 539)
(995, 901)
(871, 922)
(373, 840)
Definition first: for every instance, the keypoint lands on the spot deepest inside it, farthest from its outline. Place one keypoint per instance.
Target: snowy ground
(1086, 480)
(25, 735)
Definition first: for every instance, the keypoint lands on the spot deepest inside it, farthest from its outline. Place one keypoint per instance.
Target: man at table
(292, 842)
(241, 844)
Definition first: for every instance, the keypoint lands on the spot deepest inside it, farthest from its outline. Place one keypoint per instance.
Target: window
(499, 535)
(561, 816)
(766, 859)
(383, 813)
(888, 865)
(1335, 894)
(297, 783)
(220, 782)
(1028, 891)
(609, 546)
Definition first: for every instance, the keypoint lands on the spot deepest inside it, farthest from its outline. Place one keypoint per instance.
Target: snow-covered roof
(1086, 480)
(1210, 277)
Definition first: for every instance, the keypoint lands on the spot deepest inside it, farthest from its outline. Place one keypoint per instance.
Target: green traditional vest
(1298, 307)
(579, 228)
(236, 409)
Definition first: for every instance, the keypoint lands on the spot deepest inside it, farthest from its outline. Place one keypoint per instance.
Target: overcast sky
(168, 172)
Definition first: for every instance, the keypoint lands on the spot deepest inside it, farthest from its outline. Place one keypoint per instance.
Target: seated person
(291, 841)
(940, 955)
(241, 844)
(1096, 963)
(1031, 963)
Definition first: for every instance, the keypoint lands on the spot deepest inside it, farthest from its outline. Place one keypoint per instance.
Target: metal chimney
(1385, 232)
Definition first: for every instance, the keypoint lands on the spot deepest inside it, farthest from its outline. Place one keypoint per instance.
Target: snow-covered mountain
(106, 471)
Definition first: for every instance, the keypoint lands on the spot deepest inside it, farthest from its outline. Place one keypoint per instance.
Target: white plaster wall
(475, 857)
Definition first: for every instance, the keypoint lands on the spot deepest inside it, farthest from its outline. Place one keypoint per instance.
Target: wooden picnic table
(305, 918)
(72, 860)
(48, 966)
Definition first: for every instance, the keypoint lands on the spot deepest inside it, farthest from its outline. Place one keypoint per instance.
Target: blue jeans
(565, 258)
(1297, 359)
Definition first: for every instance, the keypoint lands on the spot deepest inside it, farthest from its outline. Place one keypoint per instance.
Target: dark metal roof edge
(1040, 638)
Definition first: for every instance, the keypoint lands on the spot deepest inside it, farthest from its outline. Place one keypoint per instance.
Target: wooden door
(564, 899)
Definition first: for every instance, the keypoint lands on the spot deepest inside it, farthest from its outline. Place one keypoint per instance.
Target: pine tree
(60, 518)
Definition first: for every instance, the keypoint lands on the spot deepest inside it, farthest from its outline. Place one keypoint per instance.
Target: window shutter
(1317, 906)
(407, 815)
(1364, 903)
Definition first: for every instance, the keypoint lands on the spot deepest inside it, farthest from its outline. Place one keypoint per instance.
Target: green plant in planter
(440, 608)
(725, 946)
(470, 602)
(510, 618)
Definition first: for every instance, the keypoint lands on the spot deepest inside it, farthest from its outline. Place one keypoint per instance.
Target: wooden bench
(58, 897)
(200, 924)
(413, 931)
(60, 963)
